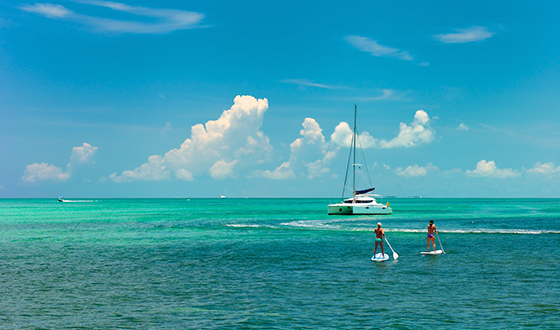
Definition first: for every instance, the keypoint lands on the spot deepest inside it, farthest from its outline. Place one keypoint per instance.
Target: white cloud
(342, 136)
(463, 127)
(419, 132)
(546, 168)
(166, 129)
(48, 10)
(153, 170)
(310, 155)
(148, 20)
(282, 172)
(84, 154)
(223, 148)
(371, 46)
(415, 170)
(43, 172)
(222, 169)
(220, 148)
(307, 83)
(386, 94)
(411, 171)
(488, 169)
(474, 33)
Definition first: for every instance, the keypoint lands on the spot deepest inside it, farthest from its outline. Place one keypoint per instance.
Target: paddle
(395, 255)
(440, 242)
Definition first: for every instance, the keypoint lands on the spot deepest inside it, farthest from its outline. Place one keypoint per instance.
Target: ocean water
(276, 264)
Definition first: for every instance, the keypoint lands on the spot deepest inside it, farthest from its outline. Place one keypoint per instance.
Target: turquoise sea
(276, 264)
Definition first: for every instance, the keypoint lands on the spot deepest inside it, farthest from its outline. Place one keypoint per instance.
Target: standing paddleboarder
(431, 231)
(379, 235)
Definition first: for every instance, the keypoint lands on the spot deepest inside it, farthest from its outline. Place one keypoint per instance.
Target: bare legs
(375, 249)
(433, 243)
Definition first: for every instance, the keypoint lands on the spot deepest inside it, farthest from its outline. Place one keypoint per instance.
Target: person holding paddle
(379, 235)
(431, 237)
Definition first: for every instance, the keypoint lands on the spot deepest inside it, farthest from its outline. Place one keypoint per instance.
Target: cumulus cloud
(417, 133)
(43, 171)
(147, 20)
(81, 155)
(546, 168)
(310, 155)
(234, 143)
(342, 136)
(415, 170)
(472, 34)
(488, 169)
(220, 148)
(374, 48)
(463, 127)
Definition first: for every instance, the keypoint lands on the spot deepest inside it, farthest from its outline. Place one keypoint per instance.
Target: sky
(164, 99)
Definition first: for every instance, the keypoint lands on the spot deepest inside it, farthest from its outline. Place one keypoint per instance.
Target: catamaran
(362, 201)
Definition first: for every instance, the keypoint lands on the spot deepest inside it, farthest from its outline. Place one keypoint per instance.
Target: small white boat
(362, 201)
(221, 196)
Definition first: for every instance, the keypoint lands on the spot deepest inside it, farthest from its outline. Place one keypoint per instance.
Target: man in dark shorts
(431, 231)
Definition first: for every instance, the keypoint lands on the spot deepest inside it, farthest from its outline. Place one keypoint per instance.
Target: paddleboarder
(379, 235)
(431, 232)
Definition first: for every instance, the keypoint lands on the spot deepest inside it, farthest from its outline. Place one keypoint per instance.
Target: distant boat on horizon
(221, 196)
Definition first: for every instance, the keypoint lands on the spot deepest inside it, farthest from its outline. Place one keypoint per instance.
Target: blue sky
(253, 99)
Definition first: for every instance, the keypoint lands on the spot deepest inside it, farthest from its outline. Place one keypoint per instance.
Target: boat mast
(354, 152)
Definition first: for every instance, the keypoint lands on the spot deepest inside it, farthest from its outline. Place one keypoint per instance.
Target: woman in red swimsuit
(431, 231)
(379, 234)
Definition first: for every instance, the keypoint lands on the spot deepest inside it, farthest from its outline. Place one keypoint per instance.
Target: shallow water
(277, 263)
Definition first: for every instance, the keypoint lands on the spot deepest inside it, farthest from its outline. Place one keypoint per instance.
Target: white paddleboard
(432, 252)
(380, 257)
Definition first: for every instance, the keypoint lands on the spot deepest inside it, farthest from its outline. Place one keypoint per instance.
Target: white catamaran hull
(359, 209)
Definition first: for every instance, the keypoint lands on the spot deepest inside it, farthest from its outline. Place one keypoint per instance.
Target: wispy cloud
(308, 83)
(472, 34)
(163, 20)
(374, 48)
(48, 10)
(385, 94)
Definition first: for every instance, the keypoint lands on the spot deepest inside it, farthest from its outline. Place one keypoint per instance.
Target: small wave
(315, 224)
(243, 225)
(480, 231)
(330, 225)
